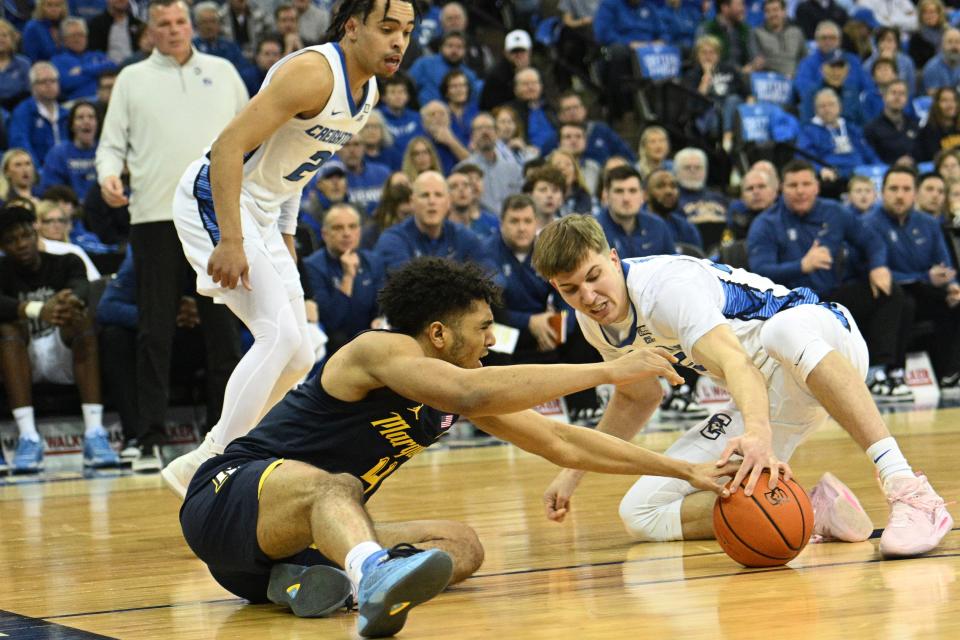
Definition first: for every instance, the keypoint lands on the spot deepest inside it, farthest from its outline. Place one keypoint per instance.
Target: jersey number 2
(308, 167)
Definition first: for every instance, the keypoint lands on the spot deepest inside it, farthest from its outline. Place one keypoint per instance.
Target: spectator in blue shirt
(206, 17)
(428, 232)
(943, 69)
(39, 122)
(428, 71)
(527, 298)
(921, 264)
(627, 22)
(838, 145)
(758, 191)
(629, 230)
(14, 68)
(680, 20)
(663, 197)
(72, 162)
(796, 242)
(79, 68)
(40, 35)
(378, 143)
(855, 100)
(465, 206)
(893, 133)
(269, 51)
(455, 89)
(344, 279)
(364, 179)
(602, 141)
(404, 123)
(810, 74)
(533, 110)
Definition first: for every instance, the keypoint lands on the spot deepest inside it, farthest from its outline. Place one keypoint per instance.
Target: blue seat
(921, 106)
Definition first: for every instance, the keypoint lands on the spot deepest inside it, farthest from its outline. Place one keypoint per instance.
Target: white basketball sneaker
(178, 474)
(918, 518)
(837, 514)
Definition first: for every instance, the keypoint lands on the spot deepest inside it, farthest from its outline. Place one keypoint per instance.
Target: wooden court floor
(104, 558)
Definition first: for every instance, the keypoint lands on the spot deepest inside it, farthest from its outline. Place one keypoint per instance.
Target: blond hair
(5, 161)
(407, 164)
(564, 244)
(577, 173)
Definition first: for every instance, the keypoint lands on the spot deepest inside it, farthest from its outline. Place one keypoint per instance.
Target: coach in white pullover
(163, 112)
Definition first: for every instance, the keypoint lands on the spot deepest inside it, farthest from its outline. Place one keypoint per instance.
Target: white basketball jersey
(676, 300)
(281, 166)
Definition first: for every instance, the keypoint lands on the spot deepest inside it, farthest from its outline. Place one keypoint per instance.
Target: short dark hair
(270, 40)
(107, 73)
(468, 169)
(533, 164)
(782, 3)
(362, 9)
(427, 290)
(884, 62)
(900, 168)
(60, 193)
(15, 216)
(796, 166)
(624, 172)
(516, 202)
(576, 125)
(930, 175)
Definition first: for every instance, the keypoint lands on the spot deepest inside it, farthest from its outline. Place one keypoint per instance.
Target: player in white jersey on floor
(236, 208)
(788, 360)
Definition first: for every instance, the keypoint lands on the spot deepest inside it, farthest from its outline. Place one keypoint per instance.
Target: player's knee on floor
(651, 516)
(469, 553)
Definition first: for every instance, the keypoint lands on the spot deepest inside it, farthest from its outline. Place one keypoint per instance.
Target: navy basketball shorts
(219, 522)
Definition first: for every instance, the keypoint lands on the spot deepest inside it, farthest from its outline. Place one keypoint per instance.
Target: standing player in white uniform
(236, 208)
(787, 359)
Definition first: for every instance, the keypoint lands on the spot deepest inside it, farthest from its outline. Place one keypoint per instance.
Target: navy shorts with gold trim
(219, 522)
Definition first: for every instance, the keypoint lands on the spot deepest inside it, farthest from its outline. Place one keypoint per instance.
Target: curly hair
(15, 216)
(360, 8)
(428, 290)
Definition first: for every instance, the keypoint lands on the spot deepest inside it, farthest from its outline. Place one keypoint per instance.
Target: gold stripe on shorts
(267, 472)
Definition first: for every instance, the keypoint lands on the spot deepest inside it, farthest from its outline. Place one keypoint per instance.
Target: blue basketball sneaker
(310, 592)
(98, 453)
(394, 581)
(29, 456)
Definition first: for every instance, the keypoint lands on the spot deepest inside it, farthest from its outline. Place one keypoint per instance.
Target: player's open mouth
(598, 309)
(393, 63)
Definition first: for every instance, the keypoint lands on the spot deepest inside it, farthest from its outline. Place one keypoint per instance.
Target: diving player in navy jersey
(789, 361)
(303, 475)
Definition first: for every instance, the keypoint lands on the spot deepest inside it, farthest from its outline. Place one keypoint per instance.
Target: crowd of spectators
(490, 132)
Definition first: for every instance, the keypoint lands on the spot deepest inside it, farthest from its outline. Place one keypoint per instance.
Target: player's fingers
(787, 471)
(727, 452)
(738, 478)
(663, 353)
(754, 478)
(774, 476)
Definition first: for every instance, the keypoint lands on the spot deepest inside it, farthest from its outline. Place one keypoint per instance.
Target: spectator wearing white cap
(498, 85)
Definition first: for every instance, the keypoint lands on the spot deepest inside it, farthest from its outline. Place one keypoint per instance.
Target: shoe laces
(402, 550)
(917, 495)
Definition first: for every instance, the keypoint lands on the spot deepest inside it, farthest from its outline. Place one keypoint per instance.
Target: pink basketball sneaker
(837, 514)
(918, 517)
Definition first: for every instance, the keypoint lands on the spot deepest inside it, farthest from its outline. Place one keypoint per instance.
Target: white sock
(889, 460)
(356, 557)
(92, 419)
(24, 418)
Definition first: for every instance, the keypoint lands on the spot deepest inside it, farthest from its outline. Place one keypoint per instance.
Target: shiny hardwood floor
(104, 558)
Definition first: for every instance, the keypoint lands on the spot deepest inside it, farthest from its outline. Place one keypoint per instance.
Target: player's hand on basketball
(112, 191)
(646, 363)
(556, 499)
(706, 476)
(757, 455)
(228, 265)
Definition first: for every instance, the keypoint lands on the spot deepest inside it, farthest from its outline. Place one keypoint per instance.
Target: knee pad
(650, 511)
(281, 334)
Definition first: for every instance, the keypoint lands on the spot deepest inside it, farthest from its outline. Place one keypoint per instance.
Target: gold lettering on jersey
(378, 472)
(394, 429)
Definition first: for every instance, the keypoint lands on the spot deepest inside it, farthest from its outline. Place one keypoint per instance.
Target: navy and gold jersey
(368, 439)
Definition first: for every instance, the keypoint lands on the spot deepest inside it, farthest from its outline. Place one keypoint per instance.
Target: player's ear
(350, 27)
(435, 334)
(614, 256)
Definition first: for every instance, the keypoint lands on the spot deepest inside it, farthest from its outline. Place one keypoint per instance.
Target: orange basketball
(767, 529)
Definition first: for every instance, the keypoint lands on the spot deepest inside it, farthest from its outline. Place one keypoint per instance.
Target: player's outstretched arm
(396, 361)
(628, 411)
(301, 86)
(720, 351)
(585, 449)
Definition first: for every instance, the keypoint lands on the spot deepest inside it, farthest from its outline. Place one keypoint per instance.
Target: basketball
(767, 529)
